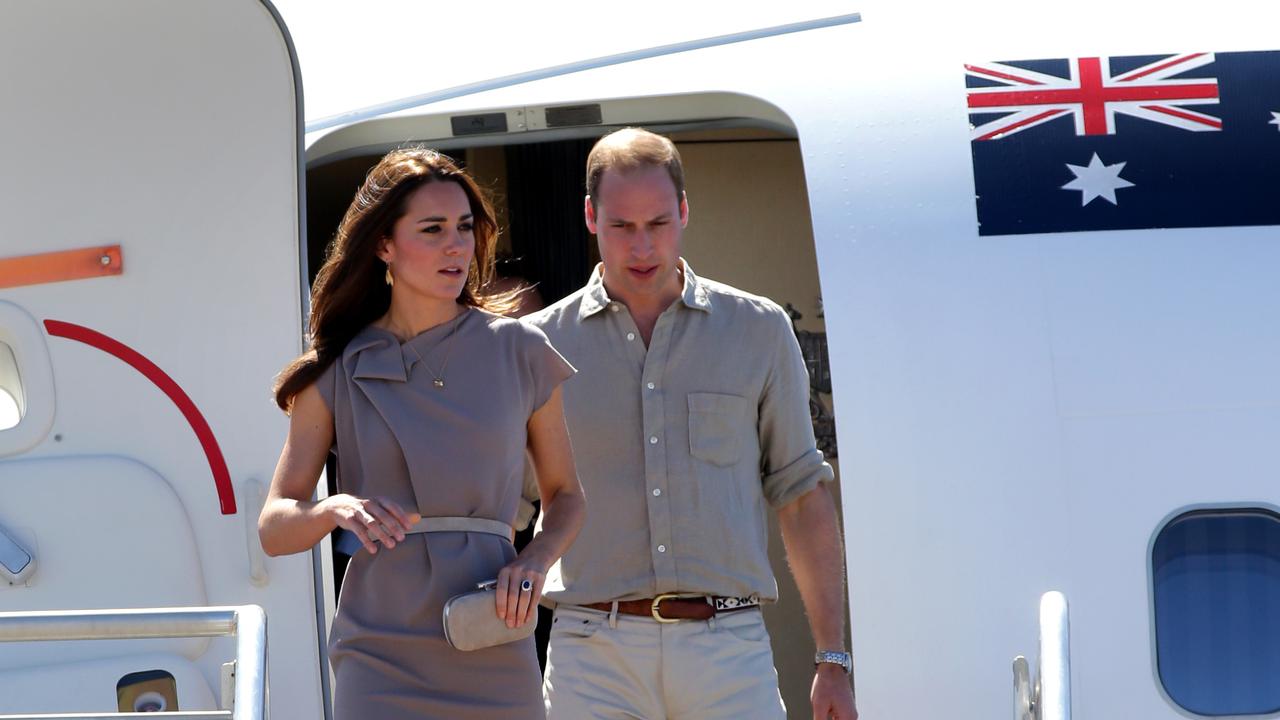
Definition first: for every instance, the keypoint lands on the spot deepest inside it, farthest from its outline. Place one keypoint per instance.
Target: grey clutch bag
(470, 622)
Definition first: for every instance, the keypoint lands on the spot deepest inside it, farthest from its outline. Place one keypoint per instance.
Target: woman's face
(432, 244)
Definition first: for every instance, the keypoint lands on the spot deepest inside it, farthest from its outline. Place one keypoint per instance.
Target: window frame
(1240, 508)
(25, 337)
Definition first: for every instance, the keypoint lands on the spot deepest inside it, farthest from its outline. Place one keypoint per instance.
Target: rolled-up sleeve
(791, 464)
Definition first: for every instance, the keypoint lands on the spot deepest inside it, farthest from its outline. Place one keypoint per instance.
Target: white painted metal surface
(172, 130)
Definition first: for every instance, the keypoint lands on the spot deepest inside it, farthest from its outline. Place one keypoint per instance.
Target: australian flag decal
(1115, 143)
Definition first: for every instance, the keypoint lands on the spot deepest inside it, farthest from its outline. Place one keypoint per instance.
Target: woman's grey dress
(456, 451)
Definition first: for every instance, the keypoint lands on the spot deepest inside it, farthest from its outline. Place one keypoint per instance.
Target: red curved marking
(221, 476)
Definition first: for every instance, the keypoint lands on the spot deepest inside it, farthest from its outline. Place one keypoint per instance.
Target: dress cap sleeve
(327, 384)
(547, 368)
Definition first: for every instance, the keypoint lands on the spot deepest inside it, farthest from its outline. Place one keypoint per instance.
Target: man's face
(639, 221)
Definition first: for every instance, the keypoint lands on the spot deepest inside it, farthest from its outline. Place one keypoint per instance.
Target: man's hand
(832, 694)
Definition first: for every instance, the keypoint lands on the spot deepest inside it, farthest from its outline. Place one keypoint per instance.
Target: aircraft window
(1216, 578)
(10, 389)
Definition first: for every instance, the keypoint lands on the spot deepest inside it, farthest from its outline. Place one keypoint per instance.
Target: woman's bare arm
(563, 512)
(290, 521)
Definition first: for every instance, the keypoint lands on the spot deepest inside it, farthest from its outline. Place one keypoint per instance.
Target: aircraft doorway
(749, 227)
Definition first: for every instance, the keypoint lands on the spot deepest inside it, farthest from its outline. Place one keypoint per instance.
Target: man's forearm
(811, 535)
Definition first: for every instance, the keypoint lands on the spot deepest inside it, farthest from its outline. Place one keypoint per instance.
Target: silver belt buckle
(653, 609)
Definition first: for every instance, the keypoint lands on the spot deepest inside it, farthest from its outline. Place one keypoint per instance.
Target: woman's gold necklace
(438, 378)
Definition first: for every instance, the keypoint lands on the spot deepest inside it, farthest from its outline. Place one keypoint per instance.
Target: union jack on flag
(1093, 95)
(1125, 142)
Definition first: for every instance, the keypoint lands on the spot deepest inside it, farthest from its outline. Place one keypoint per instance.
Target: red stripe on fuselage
(217, 464)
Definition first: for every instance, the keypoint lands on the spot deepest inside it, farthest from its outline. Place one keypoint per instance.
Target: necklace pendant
(438, 382)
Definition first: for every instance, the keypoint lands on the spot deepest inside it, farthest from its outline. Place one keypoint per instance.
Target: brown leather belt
(673, 607)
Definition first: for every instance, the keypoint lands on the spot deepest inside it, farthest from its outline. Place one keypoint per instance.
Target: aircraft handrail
(1054, 691)
(248, 623)
(1047, 694)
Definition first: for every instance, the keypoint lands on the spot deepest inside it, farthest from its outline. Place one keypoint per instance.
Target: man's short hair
(629, 149)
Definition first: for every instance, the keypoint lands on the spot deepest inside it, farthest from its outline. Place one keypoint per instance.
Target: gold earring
(390, 280)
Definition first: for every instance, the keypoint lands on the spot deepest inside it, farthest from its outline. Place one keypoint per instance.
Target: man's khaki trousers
(615, 667)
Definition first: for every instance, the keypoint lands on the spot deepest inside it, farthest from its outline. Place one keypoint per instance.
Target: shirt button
(613, 307)
(662, 548)
(651, 386)
(657, 492)
(631, 336)
(653, 440)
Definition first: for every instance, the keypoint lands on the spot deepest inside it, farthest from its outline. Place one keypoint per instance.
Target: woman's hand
(516, 604)
(372, 520)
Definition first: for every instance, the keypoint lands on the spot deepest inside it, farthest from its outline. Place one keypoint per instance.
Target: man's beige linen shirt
(680, 446)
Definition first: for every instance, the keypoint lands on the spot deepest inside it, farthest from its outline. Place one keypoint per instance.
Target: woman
(430, 401)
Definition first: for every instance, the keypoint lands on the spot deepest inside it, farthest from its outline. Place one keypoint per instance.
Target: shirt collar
(595, 298)
(694, 294)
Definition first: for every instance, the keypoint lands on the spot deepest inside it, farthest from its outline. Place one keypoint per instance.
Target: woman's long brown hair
(350, 291)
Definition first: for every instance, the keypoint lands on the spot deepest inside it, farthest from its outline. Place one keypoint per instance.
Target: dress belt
(349, 543)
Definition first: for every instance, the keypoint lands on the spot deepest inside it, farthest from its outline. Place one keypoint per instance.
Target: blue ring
(526, 586)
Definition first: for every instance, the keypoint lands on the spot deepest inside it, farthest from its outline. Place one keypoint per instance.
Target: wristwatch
(843, 659)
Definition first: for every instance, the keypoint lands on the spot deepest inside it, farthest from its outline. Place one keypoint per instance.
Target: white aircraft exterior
(1017, 413)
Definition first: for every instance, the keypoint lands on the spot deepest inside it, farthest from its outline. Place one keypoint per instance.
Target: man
(689, 417)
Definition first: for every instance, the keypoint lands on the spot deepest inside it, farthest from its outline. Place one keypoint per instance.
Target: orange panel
(62, 265)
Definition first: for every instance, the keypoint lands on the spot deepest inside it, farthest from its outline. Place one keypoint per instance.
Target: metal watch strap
(843, 659)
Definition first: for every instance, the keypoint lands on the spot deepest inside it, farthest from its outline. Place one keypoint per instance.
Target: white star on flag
(1097, 181)
(1275, 120)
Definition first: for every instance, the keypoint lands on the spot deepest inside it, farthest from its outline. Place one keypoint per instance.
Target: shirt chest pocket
(716, 424)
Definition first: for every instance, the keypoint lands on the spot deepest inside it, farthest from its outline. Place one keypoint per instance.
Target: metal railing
(1047, 695)
(248, 623)
(1055, 658)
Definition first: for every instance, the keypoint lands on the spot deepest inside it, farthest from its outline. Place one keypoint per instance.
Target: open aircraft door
(151, 287)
